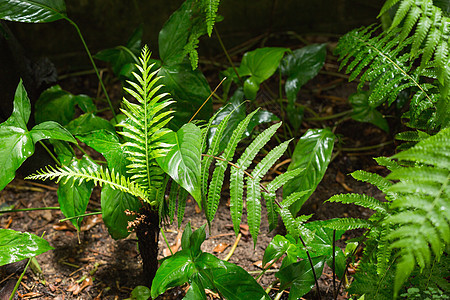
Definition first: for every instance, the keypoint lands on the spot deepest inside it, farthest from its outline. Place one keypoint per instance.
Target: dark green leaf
(114, 203)
(174, 35)
(339, 262)
(51, 130)
(73, 197)
(259, 64)
(196, 290)
(64, 152)
(140, 293)
(186, 237)
(231, 281)
(182, 162)
(190, 90)
(16, 140)
(174, 271)
(16, 246)
(301, 66)
(322, 244)
(260, 117)
(32, 11)
(57, 105)
(313, 153)
(196, 240)
(364, 112)
(276, 248)
(87, 123)
(299, 276)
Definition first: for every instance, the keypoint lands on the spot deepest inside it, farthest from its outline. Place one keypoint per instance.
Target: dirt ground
(91, 265)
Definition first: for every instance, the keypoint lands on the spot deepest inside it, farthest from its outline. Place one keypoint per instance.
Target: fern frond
(380, 182)
(387, 162)
(347, 223)
(145, 126)
(282, 179)
(210, 7)
(272, 214)
(237, 173)
(100, 177)
(182, 198)
(361, 200)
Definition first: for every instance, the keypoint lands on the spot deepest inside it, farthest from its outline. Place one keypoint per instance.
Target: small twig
(234, 247)
(50, 153)
(29, 209)
(213, 92)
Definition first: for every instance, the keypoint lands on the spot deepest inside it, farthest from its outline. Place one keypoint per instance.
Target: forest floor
(91, 265)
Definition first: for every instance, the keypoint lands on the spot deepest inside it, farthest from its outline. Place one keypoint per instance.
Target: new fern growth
(412, 228)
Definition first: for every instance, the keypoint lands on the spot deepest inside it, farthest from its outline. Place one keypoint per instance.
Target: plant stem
(167, 242)
(278, 296)
(29, 209)
(93, 65)
(50, 153)
(212, 93)
(334, 263)
(80, 216)
(337, 115)
(367, 147)
(312, 268)
(227, 55)
(16, 287)
(234, 247)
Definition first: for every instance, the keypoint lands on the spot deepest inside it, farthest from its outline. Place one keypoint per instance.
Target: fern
(210, 8)
(414, 229)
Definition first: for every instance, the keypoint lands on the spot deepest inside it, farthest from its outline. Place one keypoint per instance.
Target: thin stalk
(227, 55)
(312, 268)
(337, 115)
(29, 209)
(80, 216)
(167, 242)
(367, 147)
(334, 263)
(50, 153)
(345, 270)
(238, 238)
(93, 65)
(278, 296)
(265, 270)
(212, 93)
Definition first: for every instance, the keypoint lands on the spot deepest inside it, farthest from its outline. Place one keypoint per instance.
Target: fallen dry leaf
(259, 264)
(31, 295)
(220, 247)
(90, 222)
(340, 178)
(174, 247)
(64, 226)
(197, 209)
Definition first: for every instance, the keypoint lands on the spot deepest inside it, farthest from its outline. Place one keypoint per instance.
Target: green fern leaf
(282, 179)
(380, 182)
(253, 207)
(387, 5)
(237, 173)
(272, 214)
(361, 200)
(348, 223)
(388, 163)
(182, 198)
(292, 198)
(210, 7)
(270, 159)
(402, 11)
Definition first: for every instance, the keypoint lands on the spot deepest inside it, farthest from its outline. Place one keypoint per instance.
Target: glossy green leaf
(300, 67)
(364, 112)
(322, 244)
(58, 105)
(51, 130)
(299, 276)
(174, 35)
(32, 11)
(313, 153)
(276, 248)
(196, 289)
(174, 271)
(259, 65)
(73, 197)
(16, 246)
(340, 262)
(140, 293)
(64, 152)
(17, 142)
(231, 281)
(190, 89)
(182, 162)
(87, 123)
(122, 57)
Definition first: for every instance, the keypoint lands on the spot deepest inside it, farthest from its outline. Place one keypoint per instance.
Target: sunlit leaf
(32, 11)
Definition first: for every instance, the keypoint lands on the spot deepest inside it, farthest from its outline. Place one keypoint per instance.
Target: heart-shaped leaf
(313, 153)
(364, 112)
(16, 246)
(183, 160)
(87, 123)
(32, 11)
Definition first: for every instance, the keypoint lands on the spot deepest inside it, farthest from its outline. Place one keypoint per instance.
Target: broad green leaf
(276, 248)
(17, 142)
(300, 67)
(260, 117)
(364, 112)
(32, 11)
(182, 162)
(174, 271)
(259, 64)
(299, 276)
(196, 290)
(16, 246)
(322, 244)
(114, 203)
(73, 197)
(140, 293)
(87, 123)
(122, 57)
(340, 262)
(231, 281)
(174, 35)
(58, 105)
(196, 239)
(313, 153)
(51, 130)
(64, 152)
(190, 89)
